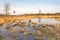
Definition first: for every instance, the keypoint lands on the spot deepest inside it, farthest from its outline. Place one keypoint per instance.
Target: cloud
(44, 9)
(33, 6)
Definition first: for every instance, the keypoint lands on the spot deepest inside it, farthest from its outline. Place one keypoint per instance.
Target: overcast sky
(32, 6)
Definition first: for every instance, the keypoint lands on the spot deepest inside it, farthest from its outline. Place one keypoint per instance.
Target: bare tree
(14, 12)
(7, 8)
(39, 13)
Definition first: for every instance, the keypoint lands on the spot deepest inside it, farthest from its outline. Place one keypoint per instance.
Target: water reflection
(11, 32)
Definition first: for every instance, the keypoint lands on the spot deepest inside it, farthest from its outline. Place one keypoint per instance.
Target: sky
(31, 6)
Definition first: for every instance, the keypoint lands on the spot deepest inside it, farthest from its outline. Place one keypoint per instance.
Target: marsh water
(7, 35)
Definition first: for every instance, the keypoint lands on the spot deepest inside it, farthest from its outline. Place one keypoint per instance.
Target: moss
(38, 39)
(2, 38)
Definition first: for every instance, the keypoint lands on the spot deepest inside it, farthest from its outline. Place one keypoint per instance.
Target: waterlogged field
(34, 29)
